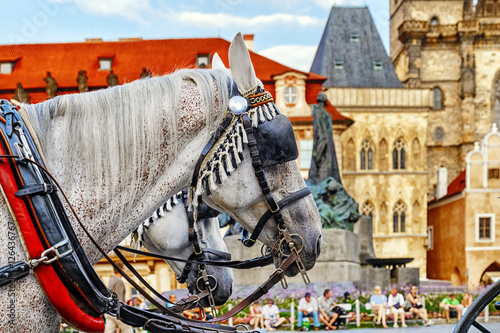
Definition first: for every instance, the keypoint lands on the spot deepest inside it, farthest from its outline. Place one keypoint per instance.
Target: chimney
(442, 183)
(93, 40)
(248, 41)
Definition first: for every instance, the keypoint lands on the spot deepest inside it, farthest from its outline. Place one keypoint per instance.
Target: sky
(287, 31)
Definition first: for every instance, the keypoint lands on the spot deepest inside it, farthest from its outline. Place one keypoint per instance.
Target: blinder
(276, 141)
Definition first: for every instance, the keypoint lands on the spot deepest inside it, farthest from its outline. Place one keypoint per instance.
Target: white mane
(117, 133)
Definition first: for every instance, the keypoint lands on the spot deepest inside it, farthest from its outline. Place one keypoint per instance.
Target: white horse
(158, 235)
(120, 153)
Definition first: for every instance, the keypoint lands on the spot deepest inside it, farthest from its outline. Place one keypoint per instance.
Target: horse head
(166, 233)
(231, 179)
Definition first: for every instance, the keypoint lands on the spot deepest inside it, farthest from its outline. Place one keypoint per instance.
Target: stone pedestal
(338, 261)
(364, 229)
(404, 276)
(373, 276)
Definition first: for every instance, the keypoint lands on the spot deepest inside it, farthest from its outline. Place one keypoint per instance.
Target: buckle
(54, 250)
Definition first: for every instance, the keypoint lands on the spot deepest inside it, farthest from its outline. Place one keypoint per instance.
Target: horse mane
(119, 133)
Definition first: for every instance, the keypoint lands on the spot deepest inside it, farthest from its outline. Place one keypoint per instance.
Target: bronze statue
(112, 79)
(82, 81)
(145, 73)
(324, 160)
(51, 85)
(21, 95)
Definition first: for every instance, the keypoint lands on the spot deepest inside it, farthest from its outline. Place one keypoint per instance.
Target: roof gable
(351, 41)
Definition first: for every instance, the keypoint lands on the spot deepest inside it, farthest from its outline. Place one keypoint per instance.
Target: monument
(82, 81)
(21, 95)
(112, 79)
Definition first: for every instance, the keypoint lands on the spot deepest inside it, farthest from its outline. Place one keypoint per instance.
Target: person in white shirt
(396, 303)
(308, 307)
(271, 314)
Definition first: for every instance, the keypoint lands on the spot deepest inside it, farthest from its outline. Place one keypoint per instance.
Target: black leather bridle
(286, 243)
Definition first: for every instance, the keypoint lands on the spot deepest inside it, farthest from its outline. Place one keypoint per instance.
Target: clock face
(238, 105)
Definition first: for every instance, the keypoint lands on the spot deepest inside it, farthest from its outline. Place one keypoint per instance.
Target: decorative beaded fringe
(230, 146)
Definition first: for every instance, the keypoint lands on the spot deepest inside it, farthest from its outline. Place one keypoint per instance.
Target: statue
(21, 95)
(145, 73)
(82, 81)
(112, 79)
(51, 85)
(324, 160)
(337, 208)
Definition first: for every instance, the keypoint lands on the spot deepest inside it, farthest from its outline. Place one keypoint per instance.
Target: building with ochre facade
(464, 243)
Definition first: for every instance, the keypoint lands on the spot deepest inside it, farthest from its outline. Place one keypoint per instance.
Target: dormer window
(6, 67)
(202, 60)
(290, 95)
(338, 64)
(378, 66)
(105, 64)
(354, 37)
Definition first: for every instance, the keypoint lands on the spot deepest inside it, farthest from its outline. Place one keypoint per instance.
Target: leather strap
(13, 272)
(250, 241)
(238, 264)
(213, 139)
(35, 189)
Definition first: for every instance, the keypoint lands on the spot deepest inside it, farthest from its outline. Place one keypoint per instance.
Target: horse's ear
(241, 65)
(217, 62)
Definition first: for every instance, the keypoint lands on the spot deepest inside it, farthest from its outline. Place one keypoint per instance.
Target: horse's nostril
(318, 245)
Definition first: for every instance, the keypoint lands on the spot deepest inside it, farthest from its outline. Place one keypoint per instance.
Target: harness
(66, 275)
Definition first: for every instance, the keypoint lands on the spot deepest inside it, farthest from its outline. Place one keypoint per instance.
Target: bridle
(241, 110)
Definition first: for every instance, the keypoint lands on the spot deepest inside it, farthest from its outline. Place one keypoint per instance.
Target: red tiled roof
(163, 56)
(335, 114)
(457, 185)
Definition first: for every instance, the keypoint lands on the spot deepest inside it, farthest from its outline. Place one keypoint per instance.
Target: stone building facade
(384, 165)
(451, 47)
(384, 153)
(464, 243)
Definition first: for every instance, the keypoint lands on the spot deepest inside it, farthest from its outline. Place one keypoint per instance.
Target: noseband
(264, 152)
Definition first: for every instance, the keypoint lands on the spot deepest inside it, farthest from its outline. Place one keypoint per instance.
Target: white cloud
(224, 20)
(133, 10)
(296, 56)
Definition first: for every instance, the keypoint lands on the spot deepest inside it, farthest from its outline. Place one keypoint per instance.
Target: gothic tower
(453, 48)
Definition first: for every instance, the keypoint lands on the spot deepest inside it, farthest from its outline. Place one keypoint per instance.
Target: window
(485, 227)
(6, 67)
(399, 217)
(437, 98)
(378, 66)
(306, 148)
(434, 21)
(438, 134)
(494, 173)
(367, 209)
(290, 95)
(366, 155)
(399, 155)
(338, 64)
(202, 60)
(105, 64)
(354, 37)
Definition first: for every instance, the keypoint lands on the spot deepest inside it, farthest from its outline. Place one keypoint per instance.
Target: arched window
(434, 21)
(399, 155)
(366, 155)
(367, 209)
(438, 100)
(399, 217)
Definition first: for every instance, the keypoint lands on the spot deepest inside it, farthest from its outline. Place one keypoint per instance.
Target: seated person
(451, 303)
(466, 302)
(417, 305)
(271, 314)
(396, 303)
(379, 304)
(327, 313)
(255, 315)
(308, 307)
